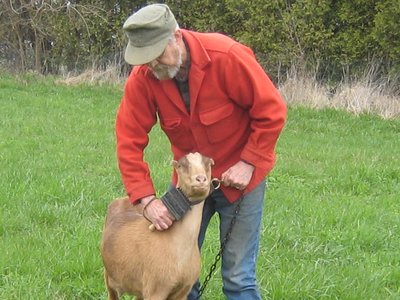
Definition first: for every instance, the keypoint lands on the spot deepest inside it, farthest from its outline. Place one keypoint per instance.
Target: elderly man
(211, 96)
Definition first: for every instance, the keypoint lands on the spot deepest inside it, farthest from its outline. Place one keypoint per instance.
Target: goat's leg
(154, 297)
(180, 294)
(159, 294)
(112, 294)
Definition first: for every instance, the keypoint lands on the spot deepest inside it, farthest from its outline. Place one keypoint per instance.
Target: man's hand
(238, 176)
(157, 213)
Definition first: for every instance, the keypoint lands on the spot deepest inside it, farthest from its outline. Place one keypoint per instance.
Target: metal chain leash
(221, 250)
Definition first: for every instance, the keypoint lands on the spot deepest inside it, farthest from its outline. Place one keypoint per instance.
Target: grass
(332, 213)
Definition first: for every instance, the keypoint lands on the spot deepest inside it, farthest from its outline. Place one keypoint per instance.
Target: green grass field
(332, 213)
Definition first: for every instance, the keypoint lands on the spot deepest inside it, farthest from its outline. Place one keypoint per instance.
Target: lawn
(331, 220)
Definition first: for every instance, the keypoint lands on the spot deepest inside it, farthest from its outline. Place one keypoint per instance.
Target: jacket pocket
(177, 133)
(220, 123)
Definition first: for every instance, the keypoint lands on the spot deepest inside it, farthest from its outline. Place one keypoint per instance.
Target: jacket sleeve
(251, 88)
(135, 118)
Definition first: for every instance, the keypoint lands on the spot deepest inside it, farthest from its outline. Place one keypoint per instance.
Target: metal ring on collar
(216, 183)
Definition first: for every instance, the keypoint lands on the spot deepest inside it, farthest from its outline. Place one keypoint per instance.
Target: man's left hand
(238, 176)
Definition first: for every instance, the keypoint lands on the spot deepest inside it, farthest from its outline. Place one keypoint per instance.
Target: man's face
(167, 65)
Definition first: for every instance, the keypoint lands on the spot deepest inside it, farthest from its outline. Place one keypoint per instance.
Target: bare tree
(32, 28)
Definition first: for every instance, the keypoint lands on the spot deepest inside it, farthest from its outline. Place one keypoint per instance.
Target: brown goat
(155, 265)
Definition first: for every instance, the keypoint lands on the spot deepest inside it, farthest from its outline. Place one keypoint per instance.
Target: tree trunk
(38, 53)
(21, 49)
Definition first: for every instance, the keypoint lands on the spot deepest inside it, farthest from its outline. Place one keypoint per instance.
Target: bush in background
(334, 43)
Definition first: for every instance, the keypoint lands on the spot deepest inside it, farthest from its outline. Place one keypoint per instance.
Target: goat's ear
(175, 164)
(212, 162)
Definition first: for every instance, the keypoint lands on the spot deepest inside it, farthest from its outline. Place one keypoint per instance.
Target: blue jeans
(238, 265)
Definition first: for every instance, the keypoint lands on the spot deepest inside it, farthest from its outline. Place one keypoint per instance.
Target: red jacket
(236, 113)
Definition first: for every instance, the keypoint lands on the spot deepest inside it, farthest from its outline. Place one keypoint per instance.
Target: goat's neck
(189, 225)
(186, 230)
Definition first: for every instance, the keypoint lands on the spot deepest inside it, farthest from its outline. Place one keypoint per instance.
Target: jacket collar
(199, 55)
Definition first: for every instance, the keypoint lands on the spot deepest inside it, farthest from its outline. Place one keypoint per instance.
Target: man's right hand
(157, 213)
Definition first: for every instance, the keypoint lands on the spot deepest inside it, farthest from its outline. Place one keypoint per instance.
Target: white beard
(163, 72)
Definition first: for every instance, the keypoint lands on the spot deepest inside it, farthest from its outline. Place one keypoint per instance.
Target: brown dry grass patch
(357, 96)
(365, 95)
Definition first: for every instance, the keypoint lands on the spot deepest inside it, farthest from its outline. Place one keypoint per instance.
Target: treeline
(332, 38)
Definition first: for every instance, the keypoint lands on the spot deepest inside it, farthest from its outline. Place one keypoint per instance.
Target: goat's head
(194, 175)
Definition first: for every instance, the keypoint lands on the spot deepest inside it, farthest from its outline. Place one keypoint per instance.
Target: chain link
(221, 250)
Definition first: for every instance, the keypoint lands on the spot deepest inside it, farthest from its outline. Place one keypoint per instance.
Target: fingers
(229, 180)
(159, 215)
(238, 176)
(163, 222)
(233, 181)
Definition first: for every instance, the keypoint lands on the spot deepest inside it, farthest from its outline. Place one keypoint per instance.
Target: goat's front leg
(112, 294)
(181, 294)
(159, 294)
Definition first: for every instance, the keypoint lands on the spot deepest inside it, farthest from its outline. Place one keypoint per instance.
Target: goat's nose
(201, 178)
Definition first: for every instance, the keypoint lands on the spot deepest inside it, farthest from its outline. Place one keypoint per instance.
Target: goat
(155, 265)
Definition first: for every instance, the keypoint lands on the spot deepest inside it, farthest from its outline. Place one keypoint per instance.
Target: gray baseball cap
(148, 31)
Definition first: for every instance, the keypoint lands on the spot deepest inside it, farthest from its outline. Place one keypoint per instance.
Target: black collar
(178, 203)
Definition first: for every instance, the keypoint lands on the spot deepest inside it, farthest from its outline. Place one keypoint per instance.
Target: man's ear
(178, 35)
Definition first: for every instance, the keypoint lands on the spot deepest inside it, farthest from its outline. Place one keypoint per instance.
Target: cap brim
(143, 55)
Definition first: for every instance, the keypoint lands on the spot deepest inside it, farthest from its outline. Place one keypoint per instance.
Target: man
(210, 96)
